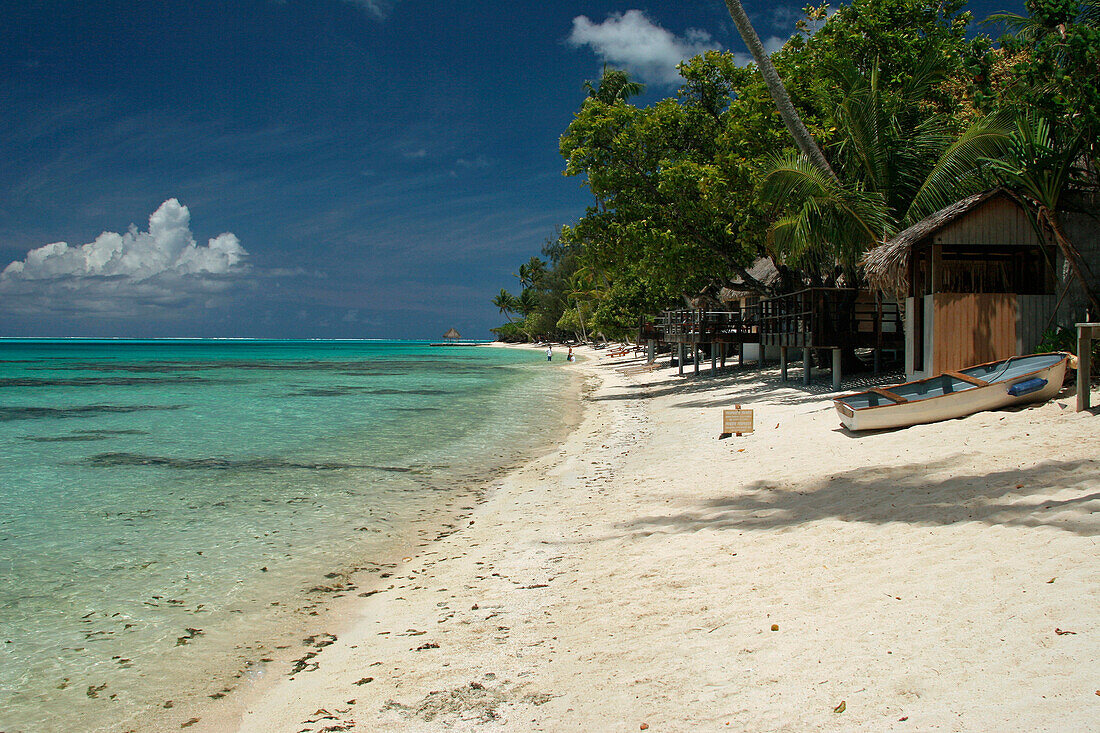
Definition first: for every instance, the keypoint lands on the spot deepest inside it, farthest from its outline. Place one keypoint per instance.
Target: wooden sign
(736, 421)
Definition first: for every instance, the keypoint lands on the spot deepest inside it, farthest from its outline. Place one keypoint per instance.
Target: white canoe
(1014, 381)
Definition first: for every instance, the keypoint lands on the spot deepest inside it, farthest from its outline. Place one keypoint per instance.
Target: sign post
(736, 422)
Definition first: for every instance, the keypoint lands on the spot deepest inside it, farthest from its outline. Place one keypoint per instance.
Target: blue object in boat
(1027, 386)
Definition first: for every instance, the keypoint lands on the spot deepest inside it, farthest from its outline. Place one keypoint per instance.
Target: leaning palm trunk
(802, 137)
(1073, 257)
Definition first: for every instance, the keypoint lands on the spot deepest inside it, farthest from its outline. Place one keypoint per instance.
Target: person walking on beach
(569, 356)
(549, 353)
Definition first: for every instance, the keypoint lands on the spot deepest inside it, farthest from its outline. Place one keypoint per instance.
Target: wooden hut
(452, 335)
(977, 279)
(722, 322)
(832, 319)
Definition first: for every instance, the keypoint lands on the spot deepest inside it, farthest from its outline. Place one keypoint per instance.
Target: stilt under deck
(691, 329)
(829, 318)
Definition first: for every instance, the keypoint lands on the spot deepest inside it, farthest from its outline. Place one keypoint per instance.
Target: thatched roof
(887, 266)
(452, 334)
(763, 270)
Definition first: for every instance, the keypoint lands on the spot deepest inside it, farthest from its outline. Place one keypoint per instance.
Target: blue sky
(303, 168)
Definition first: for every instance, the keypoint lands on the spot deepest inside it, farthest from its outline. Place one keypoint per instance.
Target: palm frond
(957, 172)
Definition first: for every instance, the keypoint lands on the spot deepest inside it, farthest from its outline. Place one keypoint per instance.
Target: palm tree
(895, 168)
(527, 302)
(1041, 165)
(531, 272)
(506, 302)
(614, 85)
(1031, 30)
(802, 137)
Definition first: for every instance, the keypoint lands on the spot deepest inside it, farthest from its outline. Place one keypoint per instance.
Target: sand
(649, 576)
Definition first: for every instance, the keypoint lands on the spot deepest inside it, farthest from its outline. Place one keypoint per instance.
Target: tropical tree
(505, 303)
(897, 163)
(531, 272)
(1042, 164)
(613, 86)
(791, 119)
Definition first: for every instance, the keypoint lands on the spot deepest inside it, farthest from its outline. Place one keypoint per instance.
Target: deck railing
(697, 325)
(831, 318)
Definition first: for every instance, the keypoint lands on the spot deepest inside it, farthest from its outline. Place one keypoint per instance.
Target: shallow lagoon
(167, 507)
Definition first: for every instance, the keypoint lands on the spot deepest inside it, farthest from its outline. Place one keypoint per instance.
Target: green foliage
(1064, 338)
(911, 114)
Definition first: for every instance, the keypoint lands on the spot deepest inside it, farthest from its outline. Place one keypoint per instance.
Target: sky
(305, 168)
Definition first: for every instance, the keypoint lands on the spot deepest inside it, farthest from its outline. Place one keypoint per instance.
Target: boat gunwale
(1064, 354)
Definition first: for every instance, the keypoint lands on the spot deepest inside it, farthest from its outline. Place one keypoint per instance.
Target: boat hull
(992, 396)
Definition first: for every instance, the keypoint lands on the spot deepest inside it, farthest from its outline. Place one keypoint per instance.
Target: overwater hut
(452, 335)
(978, 281)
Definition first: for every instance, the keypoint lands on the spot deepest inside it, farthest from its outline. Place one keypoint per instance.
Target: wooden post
(725, 347)
(695, 357)
(741, 355)
(713, 356)
(680, 357)
(836, 369)
(651, 351)
(1086, 332)
(807, 369)
(782, 363)
(878, 361)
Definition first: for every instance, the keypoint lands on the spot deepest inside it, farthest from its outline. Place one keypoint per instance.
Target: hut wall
(997, 221)
(1084, 231)
(970, 328)
(1032, 317)
(927, 305)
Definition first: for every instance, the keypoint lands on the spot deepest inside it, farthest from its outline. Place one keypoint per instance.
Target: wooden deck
(830, 318)
(698, 326)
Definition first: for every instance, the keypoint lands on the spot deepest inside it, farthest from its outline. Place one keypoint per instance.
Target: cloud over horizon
(631, 40)
(122, 273)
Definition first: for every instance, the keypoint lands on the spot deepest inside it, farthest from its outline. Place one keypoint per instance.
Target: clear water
(166, 507)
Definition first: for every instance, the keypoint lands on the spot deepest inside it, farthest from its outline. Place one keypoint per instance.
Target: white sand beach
(649, 576)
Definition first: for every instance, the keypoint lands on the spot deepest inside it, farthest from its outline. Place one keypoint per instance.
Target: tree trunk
(787, 112)
(1073, 256)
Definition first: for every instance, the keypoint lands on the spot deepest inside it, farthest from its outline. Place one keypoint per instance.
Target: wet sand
(648, 575)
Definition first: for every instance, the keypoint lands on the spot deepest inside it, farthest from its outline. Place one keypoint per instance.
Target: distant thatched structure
(887, 266)
(763, 271)
(452, 334)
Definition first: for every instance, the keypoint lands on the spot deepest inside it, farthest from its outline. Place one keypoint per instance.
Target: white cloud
(119, 273)
(377, 8)
(773, 44)
(633, 41)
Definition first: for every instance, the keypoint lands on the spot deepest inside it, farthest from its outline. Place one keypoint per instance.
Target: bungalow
(978, 281)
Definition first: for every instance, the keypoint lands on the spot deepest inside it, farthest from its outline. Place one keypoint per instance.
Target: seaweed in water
(112, 460)
(344, 390)
(33, 413)
(105, 381)
(79, 436)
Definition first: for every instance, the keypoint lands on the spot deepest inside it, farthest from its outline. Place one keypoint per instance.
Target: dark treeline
(910, 109)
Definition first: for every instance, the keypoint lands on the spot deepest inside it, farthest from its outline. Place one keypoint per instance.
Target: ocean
(176, 515)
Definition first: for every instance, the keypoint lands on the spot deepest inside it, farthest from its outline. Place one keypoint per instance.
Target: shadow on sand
(902, 494)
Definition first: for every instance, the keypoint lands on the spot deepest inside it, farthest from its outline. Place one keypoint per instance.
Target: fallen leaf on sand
(841, 707)
(1062, 632)
(643, 726)
(1050, 581)
(775, 627)
(903, 718)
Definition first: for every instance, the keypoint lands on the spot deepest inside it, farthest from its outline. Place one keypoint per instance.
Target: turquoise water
(168, 509)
